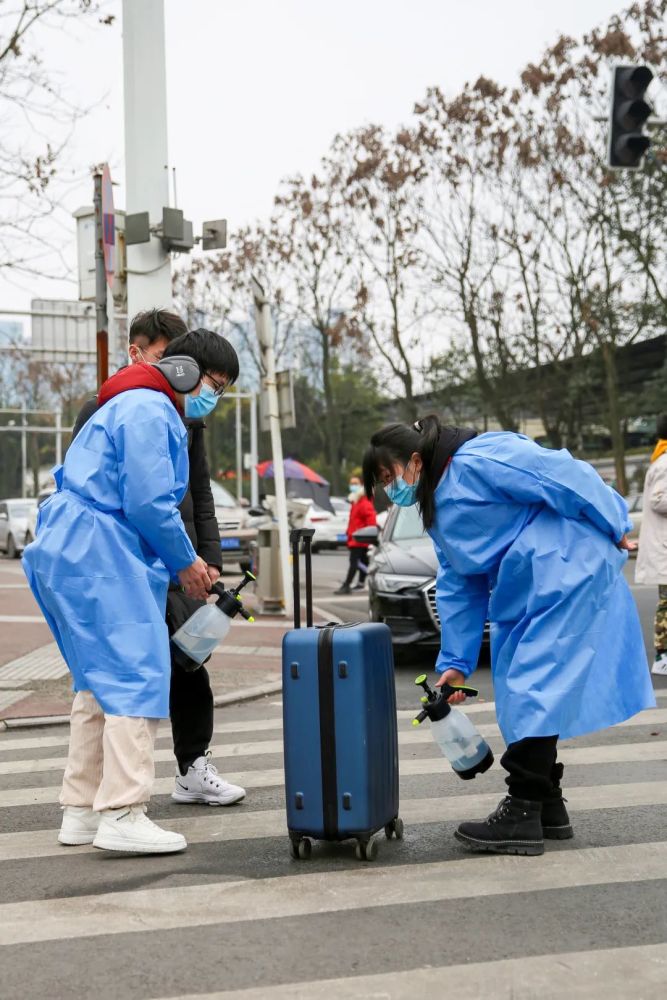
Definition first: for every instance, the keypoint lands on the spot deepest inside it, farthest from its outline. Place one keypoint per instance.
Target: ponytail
(430, 429)
(396, 443)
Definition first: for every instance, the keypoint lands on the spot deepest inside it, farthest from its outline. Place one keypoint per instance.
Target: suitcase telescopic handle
(295, 538)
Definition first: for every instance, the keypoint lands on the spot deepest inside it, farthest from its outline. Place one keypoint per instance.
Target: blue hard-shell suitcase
(339, 728)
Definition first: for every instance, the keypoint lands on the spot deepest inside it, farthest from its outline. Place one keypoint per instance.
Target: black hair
(156, 323)
(397, 443)
(661, 426)
(210, 350)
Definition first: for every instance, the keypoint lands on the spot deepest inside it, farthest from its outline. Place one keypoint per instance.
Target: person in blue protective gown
(108, 542)
(533, 540)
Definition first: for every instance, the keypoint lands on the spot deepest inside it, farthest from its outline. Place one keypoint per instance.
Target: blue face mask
(197, 407)
(401, 493)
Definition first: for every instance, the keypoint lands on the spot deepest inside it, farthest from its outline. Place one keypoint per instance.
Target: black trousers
(358, 559)
(532, 771)
(191, 711)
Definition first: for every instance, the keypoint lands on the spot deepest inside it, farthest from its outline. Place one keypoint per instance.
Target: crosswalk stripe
(338, 891)
(581, 975)
(242, 823)
(8, 745)
(606, 753)
(268, 747)
(11, 744)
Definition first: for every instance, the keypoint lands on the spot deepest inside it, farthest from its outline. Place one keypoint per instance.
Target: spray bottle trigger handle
(470, 692)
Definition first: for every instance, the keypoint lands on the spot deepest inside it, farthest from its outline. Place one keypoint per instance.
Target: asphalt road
(235, 917)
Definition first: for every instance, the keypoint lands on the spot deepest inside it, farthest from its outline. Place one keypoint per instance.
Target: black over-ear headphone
(181, 372)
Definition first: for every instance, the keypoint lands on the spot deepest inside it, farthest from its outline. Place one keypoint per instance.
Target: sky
(257, 89)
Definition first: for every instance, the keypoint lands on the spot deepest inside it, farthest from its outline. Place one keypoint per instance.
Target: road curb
(232, 698)
(248, 694)
(35, 720)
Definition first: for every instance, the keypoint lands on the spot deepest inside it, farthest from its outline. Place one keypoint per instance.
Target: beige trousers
(110, 763)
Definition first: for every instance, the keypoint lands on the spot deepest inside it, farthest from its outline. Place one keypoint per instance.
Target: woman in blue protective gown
(534, 541)
(108, 542)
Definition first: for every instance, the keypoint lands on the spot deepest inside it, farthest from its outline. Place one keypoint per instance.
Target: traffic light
(629, 111)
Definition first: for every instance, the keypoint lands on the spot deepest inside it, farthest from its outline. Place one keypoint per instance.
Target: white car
(236, 533)
(15, 516)
(330, 529)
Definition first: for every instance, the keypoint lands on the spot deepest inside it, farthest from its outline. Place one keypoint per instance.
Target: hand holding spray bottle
(209, 625)
(467, 751)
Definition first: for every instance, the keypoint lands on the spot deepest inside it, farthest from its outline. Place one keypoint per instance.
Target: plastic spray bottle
(467, 751)
(209, 625)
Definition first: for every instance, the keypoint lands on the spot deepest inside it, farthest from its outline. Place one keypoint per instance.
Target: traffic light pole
(100, 286)
(146, 150)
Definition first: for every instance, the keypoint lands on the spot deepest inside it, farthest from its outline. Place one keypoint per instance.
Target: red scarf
(139, 376)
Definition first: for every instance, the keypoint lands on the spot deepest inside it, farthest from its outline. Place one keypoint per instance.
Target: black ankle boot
(555, 820)
(514, 828)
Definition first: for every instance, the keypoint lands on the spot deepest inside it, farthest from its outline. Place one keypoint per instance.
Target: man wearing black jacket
(191, 698)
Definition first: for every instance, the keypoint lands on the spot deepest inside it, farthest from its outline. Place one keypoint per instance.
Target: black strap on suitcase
(325, 672)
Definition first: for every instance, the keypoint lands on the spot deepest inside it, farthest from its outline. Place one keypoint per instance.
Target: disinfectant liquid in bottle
(208, 626)
(467, 752)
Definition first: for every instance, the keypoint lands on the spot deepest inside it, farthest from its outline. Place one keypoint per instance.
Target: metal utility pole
(100, 286)
(24, 448)
(239, 450)
(265, 335)
(59, 437)
(146, 159)
(254, 458)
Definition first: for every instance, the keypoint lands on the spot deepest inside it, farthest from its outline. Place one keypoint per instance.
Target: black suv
(401, 582)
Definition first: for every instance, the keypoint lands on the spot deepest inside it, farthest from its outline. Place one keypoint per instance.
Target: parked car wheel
(12, 551)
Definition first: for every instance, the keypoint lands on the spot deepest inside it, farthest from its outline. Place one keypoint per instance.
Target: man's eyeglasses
(219, 388)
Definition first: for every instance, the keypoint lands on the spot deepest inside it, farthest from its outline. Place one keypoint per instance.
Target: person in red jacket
(362, 515)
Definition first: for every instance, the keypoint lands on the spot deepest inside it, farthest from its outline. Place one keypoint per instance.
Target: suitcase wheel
(367, 850)
(300, 848)
(394, 829)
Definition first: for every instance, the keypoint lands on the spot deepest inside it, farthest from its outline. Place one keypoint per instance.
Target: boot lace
(500, 813)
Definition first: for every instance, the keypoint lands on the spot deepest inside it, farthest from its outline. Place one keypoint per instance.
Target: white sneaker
(131, 830)
(79, 826)
(660, 665)
(202, 783)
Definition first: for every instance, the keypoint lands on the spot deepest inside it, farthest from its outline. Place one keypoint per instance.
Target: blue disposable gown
(107, 543)
(528, 536)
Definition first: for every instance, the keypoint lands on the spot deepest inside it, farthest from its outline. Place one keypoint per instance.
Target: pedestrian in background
(651, 565)
(362, 515)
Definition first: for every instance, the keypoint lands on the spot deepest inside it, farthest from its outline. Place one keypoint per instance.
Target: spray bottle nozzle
(422, 682)
(248, 577)
(229, 601)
